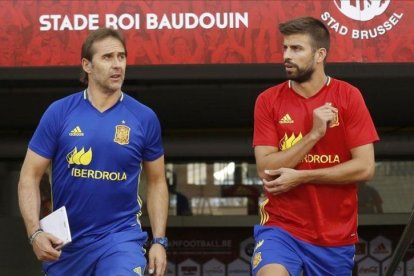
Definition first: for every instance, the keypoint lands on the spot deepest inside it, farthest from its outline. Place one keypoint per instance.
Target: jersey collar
(328, 81)
(85, 95)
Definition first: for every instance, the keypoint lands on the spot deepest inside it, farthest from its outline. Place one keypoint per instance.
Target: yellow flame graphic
(69, 156)
(288, 142)
(79, 157)
(76, 156)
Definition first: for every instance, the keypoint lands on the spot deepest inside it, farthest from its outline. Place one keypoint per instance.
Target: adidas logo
(286, 120)
(76, 132)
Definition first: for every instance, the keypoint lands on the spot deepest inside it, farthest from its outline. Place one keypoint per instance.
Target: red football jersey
(321, 214)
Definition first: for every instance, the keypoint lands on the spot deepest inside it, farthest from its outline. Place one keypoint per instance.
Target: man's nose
(116, 62)
(287, 54)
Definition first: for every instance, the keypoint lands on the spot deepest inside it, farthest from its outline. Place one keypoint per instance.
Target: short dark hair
(318, 32)
(87, 49)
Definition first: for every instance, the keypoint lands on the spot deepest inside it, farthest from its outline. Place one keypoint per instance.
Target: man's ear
(86, 65)
(321, 55)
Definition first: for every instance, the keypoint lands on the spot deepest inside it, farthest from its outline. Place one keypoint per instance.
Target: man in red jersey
(313, 141)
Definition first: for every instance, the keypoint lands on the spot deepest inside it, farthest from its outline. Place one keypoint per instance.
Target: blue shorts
(116, 254)
(276, 246)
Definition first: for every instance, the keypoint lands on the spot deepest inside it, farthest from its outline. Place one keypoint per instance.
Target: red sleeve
(360, 129)
(265, 133)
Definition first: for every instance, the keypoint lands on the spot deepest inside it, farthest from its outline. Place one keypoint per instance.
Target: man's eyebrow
(113, 53)
(292, 45)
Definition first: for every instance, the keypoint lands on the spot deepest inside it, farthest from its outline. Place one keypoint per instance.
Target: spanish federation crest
(122, 134)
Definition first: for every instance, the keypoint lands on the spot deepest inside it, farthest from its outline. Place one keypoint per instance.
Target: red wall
(50, 33)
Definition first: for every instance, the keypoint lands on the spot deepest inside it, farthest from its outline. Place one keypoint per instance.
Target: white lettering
(335, 27)
(381, 30)
(325, 16)
(207, 20)
(164, 23)
(55, 18)
(364, 34)
(192, 20)
(177, 23)
(332, 20)
(343, 30)
(191, 17)
(399, 16)
(221, 21)
(355, 34)
(125, 21)
(77, 22)
(393, 20)
(81, 22)
(333, 24)
(44, 23)
(152, 21)
(93, 22)
(66, 24)
(110, 21)
(244, 19)
(378, 30)
(387, 25)
(373, 33)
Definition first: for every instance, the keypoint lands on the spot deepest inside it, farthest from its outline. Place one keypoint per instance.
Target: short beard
(303, 75)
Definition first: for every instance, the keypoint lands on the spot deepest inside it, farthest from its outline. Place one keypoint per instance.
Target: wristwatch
(162, 241)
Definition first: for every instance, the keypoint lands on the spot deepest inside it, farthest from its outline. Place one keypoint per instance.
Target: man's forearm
(157, 203)
(29, 203)
(33, 168)
(288, 158)
(348, 172)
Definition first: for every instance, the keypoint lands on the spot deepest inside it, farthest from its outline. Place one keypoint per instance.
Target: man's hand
(44, 247)
(286, 179)
(321, 117)
(157, 260)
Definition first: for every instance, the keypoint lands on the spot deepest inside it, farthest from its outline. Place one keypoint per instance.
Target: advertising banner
(50, 33)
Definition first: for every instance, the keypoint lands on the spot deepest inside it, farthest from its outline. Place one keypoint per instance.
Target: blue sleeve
(44, 140)
(153, 141)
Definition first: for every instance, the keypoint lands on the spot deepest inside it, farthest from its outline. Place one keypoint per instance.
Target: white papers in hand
(57, 224)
